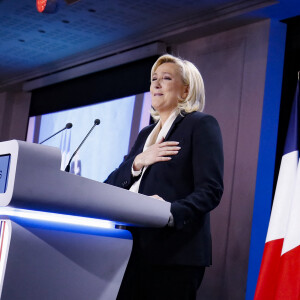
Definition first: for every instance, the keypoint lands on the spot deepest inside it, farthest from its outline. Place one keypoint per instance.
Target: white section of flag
(283, 197)
(292, 236)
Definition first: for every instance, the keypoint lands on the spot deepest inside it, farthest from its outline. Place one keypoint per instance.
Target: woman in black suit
(179, 159)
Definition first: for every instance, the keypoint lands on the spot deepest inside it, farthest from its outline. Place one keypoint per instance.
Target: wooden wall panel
(14, 111)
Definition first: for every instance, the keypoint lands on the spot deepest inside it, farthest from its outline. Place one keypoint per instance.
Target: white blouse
(156, 134)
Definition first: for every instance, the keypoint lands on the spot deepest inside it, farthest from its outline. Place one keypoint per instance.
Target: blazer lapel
(175, 123)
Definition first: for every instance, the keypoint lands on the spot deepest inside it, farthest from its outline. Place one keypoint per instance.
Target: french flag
(279, 276)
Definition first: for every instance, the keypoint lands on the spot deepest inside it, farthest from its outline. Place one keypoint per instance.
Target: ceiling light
(46, 6)
(50, 6)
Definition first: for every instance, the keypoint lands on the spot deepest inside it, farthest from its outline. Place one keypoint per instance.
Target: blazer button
(124, 183)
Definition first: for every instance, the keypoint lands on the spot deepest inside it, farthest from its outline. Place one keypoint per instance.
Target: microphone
(96, 122)
(68, 126)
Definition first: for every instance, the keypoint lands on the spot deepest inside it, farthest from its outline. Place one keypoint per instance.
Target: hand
(160, 151)
(157, 197)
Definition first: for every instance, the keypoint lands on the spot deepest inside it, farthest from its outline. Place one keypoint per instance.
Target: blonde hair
(191, 76)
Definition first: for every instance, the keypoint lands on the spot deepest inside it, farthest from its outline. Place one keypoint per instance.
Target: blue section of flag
(292, 138)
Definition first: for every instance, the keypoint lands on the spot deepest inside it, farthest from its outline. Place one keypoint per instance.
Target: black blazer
(192, 181)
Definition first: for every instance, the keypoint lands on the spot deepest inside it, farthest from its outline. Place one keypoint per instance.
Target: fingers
(168, 152)
(169, 143)
(174, 148)
(162, 151)
(163, 158)
(167, 149)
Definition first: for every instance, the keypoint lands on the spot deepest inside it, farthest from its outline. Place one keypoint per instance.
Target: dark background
(126, 80)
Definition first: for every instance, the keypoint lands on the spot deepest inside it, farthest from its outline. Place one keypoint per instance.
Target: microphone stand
(96, 122)
(68, 126)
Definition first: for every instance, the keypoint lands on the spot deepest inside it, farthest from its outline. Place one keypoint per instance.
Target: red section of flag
(268, 275)
(288, 287)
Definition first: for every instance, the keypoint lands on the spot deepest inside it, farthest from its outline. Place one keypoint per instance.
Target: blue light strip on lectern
(56, 218)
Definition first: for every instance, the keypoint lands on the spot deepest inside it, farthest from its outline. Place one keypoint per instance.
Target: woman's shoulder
(202, 117)
(204, 124)
(146, 130)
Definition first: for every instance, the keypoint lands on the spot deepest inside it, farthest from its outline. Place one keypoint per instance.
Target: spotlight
(47, 6)
(50, 6)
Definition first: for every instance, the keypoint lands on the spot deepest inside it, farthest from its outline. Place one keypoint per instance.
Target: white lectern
(42, 259)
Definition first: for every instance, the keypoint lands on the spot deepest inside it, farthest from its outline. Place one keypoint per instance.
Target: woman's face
(166, 88)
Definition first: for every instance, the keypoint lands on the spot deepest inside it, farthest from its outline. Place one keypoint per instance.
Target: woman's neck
(165, 116)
